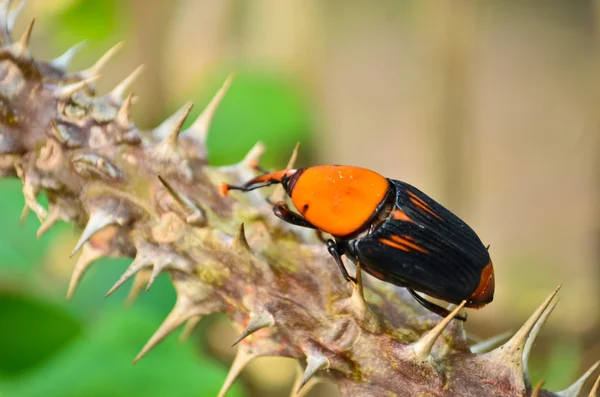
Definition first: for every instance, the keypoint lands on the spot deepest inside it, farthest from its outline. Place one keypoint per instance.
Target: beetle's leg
(284, 213)
(336, 253)
(433, 307)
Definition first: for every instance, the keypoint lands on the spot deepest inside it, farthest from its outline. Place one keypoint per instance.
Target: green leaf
(98, 364)
(31, 332)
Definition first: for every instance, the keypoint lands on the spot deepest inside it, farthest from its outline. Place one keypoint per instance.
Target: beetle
(394, 231)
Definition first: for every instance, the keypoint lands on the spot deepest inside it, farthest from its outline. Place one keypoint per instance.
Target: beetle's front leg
(283, 212)
(337, 253)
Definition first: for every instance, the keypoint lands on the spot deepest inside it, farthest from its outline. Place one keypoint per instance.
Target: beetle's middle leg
(337, 253)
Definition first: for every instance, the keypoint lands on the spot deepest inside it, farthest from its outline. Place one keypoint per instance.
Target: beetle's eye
(284, 182)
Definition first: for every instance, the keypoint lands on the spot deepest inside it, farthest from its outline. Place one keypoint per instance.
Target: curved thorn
(139, 263)
(533, 336)
(156, 270)
(199, 129)
(197, 216)
(98, 220)
(21, 46)
(189, 327)
(30, 193)
(123, 116)
(173, 133)
(314, 363)
(486, 345)
(242, 358)
(176, 317)
(139, 282)
(24, 214)
(163, 131)
(88, 256)
(262, 320)
(279, 193)
(595, 387)
(295, 392)
(512, 350)
(240, 240)
(575, 389)
(65, 92)
(51, 219)
(424, 346)
(536, 390)
(62, 62)
(103, 61)
(117, 93)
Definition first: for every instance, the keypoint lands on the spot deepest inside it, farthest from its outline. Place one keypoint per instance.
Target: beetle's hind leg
(433, 307)
(335, 251)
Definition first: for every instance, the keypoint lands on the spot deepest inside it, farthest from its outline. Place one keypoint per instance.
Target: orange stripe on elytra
(422, 204)
(392, 244)
(400, 215)
(409, 244)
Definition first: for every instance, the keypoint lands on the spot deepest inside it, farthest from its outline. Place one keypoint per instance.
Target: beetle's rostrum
(397, 233)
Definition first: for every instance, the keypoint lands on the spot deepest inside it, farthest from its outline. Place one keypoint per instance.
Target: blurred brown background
(489, 107)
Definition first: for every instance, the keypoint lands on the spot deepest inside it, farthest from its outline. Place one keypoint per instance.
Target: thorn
(199, 129)
(51, 219)
(163, 131)
(62, 62)
(279, 193)
(12, 16)
(488, 344)
(512, 351)
(262, 320)
(533, 336)
(30, 192)
(240, 240)
(140, 262)
(176, 317)
(65, 92)
(424, 346)
(117, 93)
(123, 116)
(21, 47)
(536, 390)
(307, 387)
(156, 270)
(314, 363)
(242, 358)
(175, 126)
(91, 164)
(102, 62)
(197, 216)
(595, 387)
(24, 214)
(252, 157)
(189, 327)
(98, 220)
(87, 257)
(139, 282)
(575, 389)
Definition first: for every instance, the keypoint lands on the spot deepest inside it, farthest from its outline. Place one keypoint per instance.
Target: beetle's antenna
(224, 188)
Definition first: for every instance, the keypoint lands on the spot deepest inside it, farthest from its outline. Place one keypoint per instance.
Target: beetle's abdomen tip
(484, 293)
